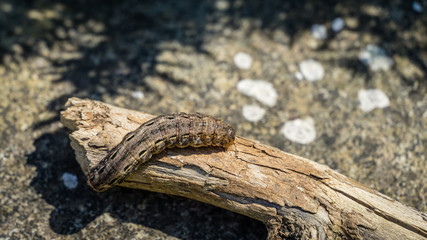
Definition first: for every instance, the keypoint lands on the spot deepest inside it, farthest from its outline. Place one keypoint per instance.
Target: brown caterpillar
(152, 137)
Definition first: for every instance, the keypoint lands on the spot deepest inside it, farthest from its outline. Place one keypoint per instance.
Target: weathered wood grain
(293, 196)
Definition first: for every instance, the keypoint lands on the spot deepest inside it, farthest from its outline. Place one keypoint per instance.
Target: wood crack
(256, 181)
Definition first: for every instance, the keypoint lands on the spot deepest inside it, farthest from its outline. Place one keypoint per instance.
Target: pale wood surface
(293, 196)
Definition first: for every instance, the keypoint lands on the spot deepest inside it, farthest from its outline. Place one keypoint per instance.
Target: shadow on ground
(119, 41)
(175, 216)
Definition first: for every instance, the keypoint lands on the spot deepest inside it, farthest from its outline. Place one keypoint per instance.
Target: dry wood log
(293, 196)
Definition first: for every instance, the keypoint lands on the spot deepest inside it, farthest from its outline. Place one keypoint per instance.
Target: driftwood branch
(293, 196)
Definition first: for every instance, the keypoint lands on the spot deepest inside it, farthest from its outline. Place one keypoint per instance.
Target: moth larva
(152, 137)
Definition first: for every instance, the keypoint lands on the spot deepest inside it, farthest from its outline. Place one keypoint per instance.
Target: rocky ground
(351, 96)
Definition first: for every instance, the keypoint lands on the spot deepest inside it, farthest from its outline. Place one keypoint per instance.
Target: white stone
(376, 58)
(318, 31)
(259, 89)
(243, 60)
(70, 180)
(137, 94)
(253, 113)
(312, 70)
(299, 76)
(372, 98)
(417, 7)
(337, 24)
(300, 130)
(222, 5)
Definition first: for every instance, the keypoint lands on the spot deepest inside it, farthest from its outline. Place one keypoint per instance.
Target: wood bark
(294, 197)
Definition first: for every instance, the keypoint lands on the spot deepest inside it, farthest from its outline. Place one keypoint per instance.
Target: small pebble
(70, 180)
(372, 98)
(253, 113)
(318, 31)
(222, 5)
(312, 70)
(137, 94)
(299, 76)
(338, 24)
(261, 90)
(417, 7)
(243, 60)
(376, 58)
(300, 130)
(6, 7)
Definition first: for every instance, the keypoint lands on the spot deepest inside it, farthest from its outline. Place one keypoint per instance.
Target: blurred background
(342, 83)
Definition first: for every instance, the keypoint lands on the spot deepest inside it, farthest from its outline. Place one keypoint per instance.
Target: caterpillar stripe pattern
(152, 137)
